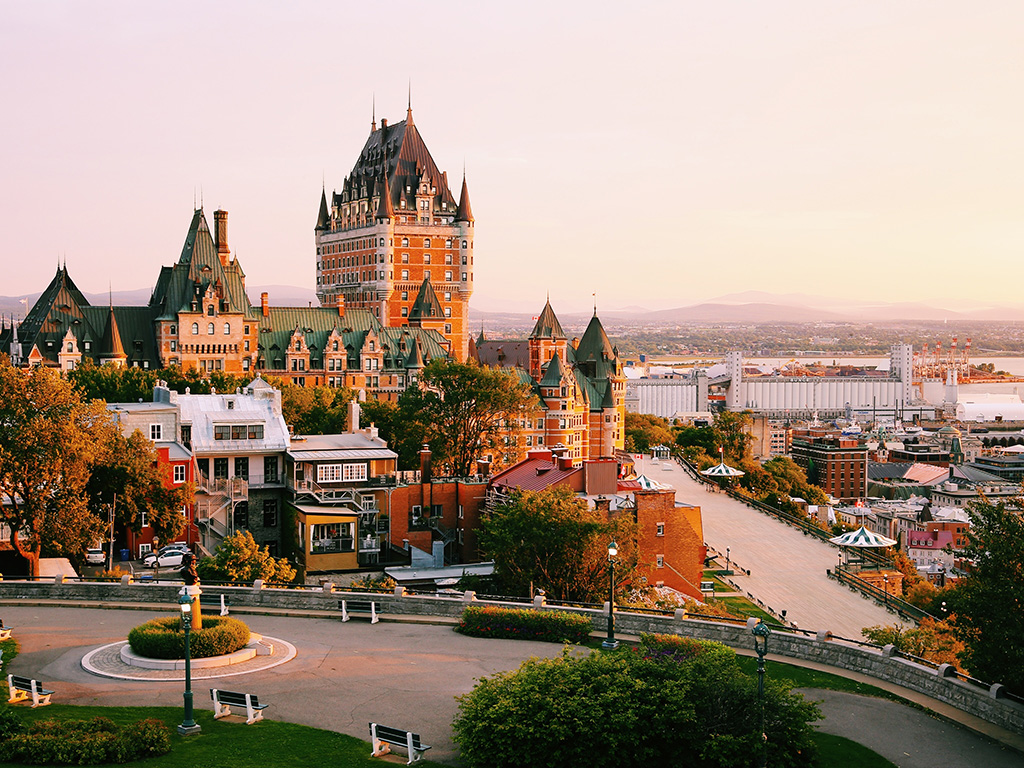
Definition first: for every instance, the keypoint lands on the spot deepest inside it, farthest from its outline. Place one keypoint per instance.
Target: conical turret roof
(385, 210)
(554, 371)
(426, 304)
(465, 212)
(111, 347)
(595, 344)
(547, 326)
(323, 219)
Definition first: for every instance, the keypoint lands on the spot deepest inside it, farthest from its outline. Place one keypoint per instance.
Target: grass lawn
(837, 752)
(812, 678)
(740, 606)
(234, 744)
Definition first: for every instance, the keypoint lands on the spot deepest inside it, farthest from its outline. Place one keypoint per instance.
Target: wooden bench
(5, 631)
(215, 602)
(21, 687)
(367, 607)
(223, 701)
(382, 735)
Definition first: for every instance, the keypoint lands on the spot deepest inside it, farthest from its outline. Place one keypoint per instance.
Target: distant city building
(836, 464)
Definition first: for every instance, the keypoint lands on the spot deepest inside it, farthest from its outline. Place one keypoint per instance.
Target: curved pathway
(787, 568)
(405, 674)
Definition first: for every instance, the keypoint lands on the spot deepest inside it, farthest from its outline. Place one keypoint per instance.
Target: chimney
(220, 231)
(341, 306)
(483, 467)
(265, 303)
(383, 123)
(425, 464)
(565, 462)
(353, 417)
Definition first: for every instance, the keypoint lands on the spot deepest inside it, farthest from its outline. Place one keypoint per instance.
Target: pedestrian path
(787, 567)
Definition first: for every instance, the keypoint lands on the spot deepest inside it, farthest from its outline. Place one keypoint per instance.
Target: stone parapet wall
(985, 703)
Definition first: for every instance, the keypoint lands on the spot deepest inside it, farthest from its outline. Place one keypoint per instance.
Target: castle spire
(465, 212)
(373, 114)
(385, 210)
(408, 112)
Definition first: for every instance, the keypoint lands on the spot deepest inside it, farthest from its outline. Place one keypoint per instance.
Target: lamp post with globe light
(760, 631)
(611, 643)
(188, 726)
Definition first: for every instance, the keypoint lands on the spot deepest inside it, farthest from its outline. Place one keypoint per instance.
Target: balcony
(234, 488)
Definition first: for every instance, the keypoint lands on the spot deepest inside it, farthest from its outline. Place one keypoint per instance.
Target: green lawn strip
(740, 606)
(802, 677)
(720, 586)
(838, 752)
(234, 744)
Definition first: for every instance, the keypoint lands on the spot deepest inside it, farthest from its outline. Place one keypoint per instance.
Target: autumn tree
(989, 601)
(49, 440)
(316, 410)
(113, 383)
(239, 558)
(402, 425)
(466, 410)
(643, 431)
(127, 476)
(551, 540)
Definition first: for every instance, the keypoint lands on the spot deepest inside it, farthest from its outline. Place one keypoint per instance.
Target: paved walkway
(406, 674)
(787, 568)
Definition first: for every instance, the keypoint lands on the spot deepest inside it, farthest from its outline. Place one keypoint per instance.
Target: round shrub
(164, 638)
(693, 707)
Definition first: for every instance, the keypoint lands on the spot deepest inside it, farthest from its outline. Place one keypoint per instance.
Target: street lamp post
(760, 631)
(188, 726)
(728, 560)
(611, 643)
(885, 579)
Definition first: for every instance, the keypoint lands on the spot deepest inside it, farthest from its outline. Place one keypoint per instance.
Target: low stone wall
(882, 664)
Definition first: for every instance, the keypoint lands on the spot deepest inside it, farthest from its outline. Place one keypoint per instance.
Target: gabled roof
(547, 326)
(198, 268)
(426, 304)
(554, 372)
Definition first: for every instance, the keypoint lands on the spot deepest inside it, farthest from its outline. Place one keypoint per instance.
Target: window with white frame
(156, 432)
(328, 473)
(661, 561)
(661, 529)
(354, 472)
(179, 473)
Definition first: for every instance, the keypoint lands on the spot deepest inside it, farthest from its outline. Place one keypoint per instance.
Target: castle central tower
(394, 228)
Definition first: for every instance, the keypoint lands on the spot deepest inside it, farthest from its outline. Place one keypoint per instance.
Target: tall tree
(126, 470)
(316, 410)
(551, 540)
(113, 383)
(239, 558)
(470, 410)
(644, 431)
(48, 442)
(989, 601)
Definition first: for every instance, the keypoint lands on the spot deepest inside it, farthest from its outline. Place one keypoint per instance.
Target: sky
(654, 154)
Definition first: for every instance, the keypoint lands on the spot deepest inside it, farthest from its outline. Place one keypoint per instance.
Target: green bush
(606, 710)
(86, 742)
(10, 723)
(525, 624)
(164, 639)
(669, 647)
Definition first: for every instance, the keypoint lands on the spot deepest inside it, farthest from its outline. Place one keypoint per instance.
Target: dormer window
(209, 310)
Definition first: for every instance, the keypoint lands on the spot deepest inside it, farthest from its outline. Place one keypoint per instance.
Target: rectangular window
(143, 519)
(238, 431)
(661, 529)
(255, 431)
(661, 561)
(179, 473)
(220, 468)
(156, 432)
(328, 473)
(203, 465)
(242, 467)
(242, 514)
(332, 537)
(270, 469)
(354, 472)
(222, 432)
(270, 513)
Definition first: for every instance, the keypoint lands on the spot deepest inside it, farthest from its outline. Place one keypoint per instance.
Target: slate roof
(465, 212)
(398, 152)
(504, 353)
(426, 303)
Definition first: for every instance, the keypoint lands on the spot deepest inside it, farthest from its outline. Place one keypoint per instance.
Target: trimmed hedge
(669, 647)
(524, 624)
(84, 742)
(164, 639)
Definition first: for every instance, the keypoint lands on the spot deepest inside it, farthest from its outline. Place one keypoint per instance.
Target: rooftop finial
(595, 303)
(408, 114)
(373, 114)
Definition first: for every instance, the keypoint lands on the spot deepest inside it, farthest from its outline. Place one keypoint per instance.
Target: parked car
(95, 556)
(170, 558)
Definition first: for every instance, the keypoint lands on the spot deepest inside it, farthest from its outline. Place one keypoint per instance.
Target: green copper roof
(554, 372)
(547, 326)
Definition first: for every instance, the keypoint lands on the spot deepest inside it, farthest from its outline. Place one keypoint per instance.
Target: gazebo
(861, 538)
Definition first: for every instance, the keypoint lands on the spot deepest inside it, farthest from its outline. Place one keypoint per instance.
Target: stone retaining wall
(985, 703)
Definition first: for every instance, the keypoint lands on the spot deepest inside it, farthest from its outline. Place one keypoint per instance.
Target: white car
(95, 556)
(164, 559)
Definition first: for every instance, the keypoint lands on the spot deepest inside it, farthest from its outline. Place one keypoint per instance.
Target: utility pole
(110, 552)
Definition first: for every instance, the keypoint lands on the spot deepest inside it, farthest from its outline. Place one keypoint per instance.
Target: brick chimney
(341, 306)
(265, 303)
(353, 416)
(425, 464)
(220, 235)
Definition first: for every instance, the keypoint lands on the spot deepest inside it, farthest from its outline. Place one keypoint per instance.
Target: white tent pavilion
(862, 538)
(721, 470)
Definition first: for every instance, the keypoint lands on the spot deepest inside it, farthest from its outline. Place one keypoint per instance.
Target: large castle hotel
(395, 242)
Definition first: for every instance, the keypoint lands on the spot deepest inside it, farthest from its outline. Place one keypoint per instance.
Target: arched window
(405, 242)
(195, 329)
(209, 329)
(426, 242)
(209, 310)
(227, 329)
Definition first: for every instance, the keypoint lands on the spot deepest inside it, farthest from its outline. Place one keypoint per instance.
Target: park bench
(367, 607)
(223, 701)
(5, 631)
(382, 735)
(21, 687)
(217, 603)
